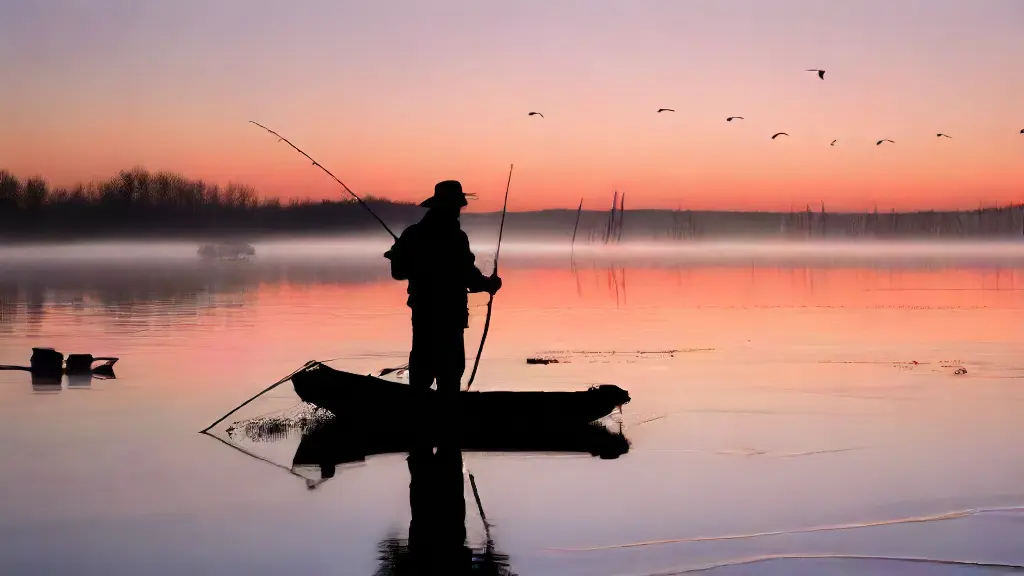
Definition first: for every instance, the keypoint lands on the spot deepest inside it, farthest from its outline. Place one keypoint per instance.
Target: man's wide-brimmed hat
(447, 193)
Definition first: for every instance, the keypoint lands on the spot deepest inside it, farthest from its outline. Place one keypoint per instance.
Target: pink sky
(395, 95)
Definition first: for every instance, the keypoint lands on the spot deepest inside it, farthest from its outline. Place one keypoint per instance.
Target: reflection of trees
(177, 290)
(35, 304)
(8, 305)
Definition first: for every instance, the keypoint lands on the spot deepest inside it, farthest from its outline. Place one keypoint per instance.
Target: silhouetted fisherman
(434, 256)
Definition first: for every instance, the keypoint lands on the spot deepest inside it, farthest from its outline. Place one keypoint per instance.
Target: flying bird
(833, 143)
(660, 110)
(940, 135)
(537, 113)
(779, 134)
(883, 140)
(821, 73)
(731, 118)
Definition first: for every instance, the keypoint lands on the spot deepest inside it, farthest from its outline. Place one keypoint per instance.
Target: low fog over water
(369, 251)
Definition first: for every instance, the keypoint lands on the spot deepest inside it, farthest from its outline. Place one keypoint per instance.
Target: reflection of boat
(226, 251)
(366, 399)
(340, 441)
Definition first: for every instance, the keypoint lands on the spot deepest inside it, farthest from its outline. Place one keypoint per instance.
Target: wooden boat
(365, 399)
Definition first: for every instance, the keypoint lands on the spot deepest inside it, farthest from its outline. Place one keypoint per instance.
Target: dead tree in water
(572, 244)
(610, 227)
(683, 225)
(613, 228)
(622, 213)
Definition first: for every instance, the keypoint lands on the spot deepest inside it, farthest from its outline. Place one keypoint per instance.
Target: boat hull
(359, 398)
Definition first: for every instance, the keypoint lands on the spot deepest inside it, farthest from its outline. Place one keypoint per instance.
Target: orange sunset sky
(394, 95)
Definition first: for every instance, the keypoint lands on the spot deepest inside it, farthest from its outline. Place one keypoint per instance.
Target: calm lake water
(796, 409)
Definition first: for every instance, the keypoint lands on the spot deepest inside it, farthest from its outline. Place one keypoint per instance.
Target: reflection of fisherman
(437, 530)
(434, 256)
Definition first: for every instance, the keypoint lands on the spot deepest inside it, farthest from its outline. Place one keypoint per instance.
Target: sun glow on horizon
(394, 106)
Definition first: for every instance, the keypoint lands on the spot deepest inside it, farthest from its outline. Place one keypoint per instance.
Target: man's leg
(451, 359)
(422, 359)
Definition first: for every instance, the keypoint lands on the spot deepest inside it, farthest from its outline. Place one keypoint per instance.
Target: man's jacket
(434, 256)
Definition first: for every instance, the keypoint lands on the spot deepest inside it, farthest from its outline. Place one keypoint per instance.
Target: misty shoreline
(544, 225)
(557, 225)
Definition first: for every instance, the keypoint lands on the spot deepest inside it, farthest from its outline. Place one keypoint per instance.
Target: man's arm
(474, 278)
(399, 255)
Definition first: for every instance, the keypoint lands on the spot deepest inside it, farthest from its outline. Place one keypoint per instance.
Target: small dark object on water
(47, 363)
(542, 361)
(83, 364)
(960, 370)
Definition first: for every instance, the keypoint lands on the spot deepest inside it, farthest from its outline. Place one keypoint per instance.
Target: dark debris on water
(543, 361)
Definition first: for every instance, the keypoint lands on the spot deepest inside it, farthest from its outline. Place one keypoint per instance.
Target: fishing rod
(321, 166)
(490, 301)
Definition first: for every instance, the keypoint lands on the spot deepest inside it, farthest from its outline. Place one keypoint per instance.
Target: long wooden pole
(490, 301)
(264, 391)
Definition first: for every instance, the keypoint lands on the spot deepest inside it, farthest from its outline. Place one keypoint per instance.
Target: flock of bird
(821, 74)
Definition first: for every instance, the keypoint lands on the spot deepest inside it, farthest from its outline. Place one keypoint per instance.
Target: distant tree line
(138, 202)
(994, 221)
